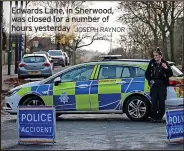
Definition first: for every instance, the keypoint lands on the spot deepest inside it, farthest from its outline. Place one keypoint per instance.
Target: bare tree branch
(92, 40)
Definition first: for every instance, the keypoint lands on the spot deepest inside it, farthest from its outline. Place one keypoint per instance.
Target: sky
(100, 46)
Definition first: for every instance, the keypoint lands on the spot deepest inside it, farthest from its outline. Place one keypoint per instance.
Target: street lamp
(1, 36)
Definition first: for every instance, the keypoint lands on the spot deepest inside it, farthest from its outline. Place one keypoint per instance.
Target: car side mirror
(57, 81)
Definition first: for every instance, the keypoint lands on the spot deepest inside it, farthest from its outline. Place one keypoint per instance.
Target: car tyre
(21, 77)
(33, 100)
(63, 65)
(58, 114)
(137, 108)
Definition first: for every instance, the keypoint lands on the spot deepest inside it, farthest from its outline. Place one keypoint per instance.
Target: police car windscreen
(176, 71)
(34, 59)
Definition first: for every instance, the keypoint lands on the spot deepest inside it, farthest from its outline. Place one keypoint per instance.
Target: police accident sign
(175, 125)
(36, 124)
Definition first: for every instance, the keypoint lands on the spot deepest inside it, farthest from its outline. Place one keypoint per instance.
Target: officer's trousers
(158, 93)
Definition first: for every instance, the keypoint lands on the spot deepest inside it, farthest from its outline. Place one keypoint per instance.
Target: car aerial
(57, 57)
(34, 65)
(108, 86)
(67, 59)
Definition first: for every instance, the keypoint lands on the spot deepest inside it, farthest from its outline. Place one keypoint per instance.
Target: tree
(4, 24)
(178, 37)
(143, 40)
(140, 12)
(78, 42)
(71, 42)
(4, 40)
(168, 12)
(141, 24)
(159, 17)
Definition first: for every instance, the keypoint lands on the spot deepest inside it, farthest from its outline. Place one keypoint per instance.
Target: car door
(134, 80)
(135, 83)
(72, 94)
(105, 91)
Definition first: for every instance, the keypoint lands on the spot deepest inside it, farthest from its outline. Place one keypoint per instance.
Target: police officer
(157, 74)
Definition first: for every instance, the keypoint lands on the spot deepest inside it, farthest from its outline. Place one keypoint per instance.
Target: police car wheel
(137, 108)
(33, 101)
(58, 114)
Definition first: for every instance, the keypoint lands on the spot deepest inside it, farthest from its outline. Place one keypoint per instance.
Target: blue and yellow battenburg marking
(107, 94)
(89, 95)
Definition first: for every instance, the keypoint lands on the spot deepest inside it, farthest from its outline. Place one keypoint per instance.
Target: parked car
(48, 56)
(34, 65)
(57, 57)
(67, 59)
(108, 86)
(46, 53)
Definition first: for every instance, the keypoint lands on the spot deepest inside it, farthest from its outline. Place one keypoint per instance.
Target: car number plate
(33, 72)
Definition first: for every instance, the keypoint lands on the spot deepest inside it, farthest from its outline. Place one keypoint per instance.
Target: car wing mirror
(57, 81)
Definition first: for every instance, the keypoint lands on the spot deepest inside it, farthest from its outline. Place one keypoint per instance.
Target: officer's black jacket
(166, 72)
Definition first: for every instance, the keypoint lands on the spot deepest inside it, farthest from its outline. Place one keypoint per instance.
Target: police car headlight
(10, 93)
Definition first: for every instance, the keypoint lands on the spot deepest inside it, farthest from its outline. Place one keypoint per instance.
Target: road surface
(94, 132)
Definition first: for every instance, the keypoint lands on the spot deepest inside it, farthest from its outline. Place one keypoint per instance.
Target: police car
(109, 86)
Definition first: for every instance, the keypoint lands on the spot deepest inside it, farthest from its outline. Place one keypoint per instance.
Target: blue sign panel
(175, 125)
(36, 124)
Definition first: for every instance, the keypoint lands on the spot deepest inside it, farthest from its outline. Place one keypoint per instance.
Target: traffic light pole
(1, 36)
(10, 43)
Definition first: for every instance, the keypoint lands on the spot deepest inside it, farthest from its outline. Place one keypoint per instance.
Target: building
(40, 44)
